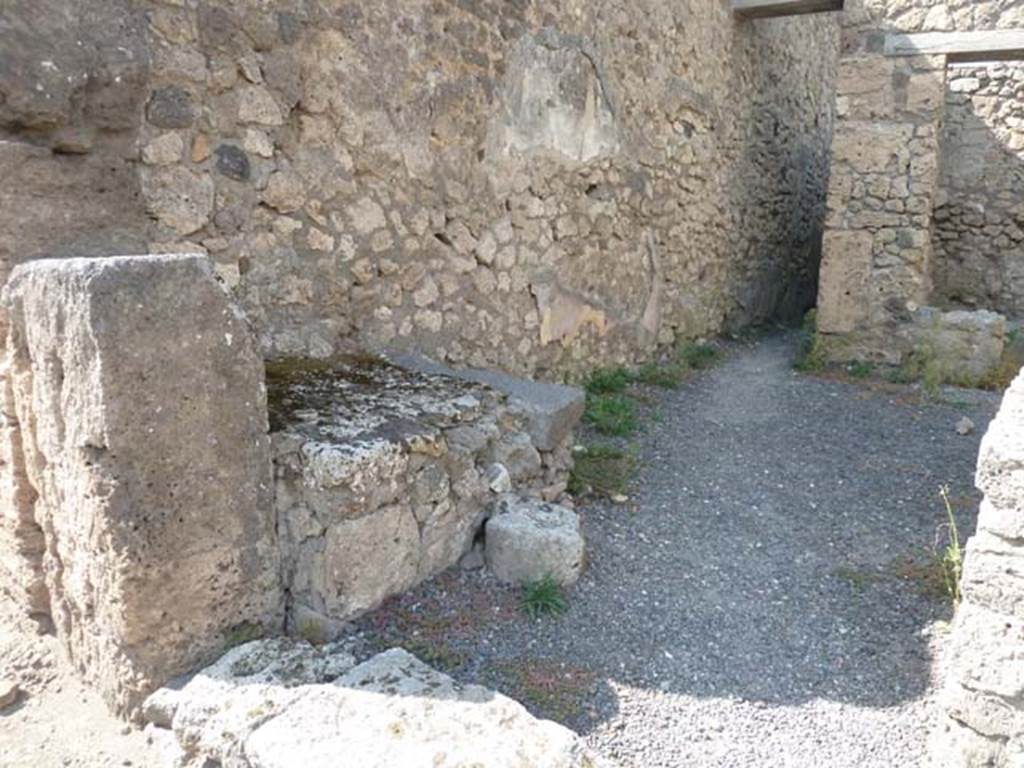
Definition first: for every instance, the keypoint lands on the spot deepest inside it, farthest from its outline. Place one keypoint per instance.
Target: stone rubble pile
(284, 703)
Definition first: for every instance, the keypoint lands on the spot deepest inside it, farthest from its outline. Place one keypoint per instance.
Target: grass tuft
(699, 356)
(951, 556)
(608, 381)
(613, 415)
(664, 375)
(812, 357)
(603, 470)
(543, 597)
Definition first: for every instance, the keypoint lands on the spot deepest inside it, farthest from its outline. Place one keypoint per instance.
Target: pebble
(9, 691)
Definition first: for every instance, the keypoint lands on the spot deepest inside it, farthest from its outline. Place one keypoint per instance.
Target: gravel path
(747, 607)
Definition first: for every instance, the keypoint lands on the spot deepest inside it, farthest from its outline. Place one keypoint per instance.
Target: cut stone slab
(392, 711)
(136, 410)
(551, 410)
(527, 540)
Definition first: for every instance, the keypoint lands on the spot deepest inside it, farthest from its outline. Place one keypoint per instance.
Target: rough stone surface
(72, 92)
(982, 717)
(979, 217)
(265, 705)
(136, 454)
(385, 476)
(527, 540)
(965, 345)
(535, 186)
(551, 410)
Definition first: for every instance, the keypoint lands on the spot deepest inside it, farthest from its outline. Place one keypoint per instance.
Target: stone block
(965, 345)
(866, 84)
(845, 272)
(141, 424)
(869, 147)
(527, 540)
(995, 579)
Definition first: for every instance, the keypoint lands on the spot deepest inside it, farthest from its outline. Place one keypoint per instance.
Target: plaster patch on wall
(556, 99)
(563, 316)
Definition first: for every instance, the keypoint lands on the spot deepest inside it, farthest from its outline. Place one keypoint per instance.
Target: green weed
(601, 469)
(952, 555)
(699, 356)
(242, 633)
(543, 597)
(861, 370)
(664, 375)
(608, 381)
(812, 357)
(612, 414)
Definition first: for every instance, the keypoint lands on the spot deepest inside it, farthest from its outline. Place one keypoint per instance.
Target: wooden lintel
(997, 44)
(762, 9)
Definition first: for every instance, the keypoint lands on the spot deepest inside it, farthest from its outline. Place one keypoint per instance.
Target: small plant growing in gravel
(938, 577)
(543, 597)
(613, 415)
(812, 356)
(952, 555)
(699, 356)
(861, 370)
(664, 375)
(600, 469)
(608, 381)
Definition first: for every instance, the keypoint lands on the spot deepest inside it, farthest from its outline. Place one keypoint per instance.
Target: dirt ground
(56, 720)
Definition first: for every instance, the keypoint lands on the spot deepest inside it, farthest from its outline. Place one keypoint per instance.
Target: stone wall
(878, 245)
(982, 702)
(531, 185)
(979, 220)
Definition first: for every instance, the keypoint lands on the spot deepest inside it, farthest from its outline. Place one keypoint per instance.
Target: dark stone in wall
(170, 108)
(233, 162)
